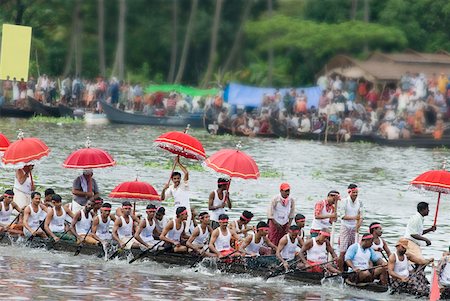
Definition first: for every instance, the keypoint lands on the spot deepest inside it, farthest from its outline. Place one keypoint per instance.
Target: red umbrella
(135, 190)
(181, 144)
(234, 163)
(434, 180)
(89, 157)
(24, 151)
(4, 142)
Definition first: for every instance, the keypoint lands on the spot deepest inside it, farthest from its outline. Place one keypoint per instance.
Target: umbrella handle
(437, 209)
(173, 168)
(227, 195)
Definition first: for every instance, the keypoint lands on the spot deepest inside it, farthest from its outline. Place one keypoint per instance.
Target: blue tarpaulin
(237, 94)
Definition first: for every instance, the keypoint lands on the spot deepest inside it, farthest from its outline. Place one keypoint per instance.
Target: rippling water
(312, 169)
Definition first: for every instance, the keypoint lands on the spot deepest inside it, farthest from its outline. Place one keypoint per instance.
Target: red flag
(435, 293)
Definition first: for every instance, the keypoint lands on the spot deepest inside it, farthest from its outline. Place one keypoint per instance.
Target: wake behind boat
(118, 116)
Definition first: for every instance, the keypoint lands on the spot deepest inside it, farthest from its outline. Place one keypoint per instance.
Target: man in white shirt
(351, 221)
(179, 191)
(414, 231)
(280, 214)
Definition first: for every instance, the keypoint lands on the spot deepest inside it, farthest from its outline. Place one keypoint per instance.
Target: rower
(360, 257)
(280, 213)
(300, 222)
(220, 243)
(6, 208)
(54, 224)
(82, 224)
(48, 193)
(200, 236)
(179, 192)
(443, 270)
(402, 280)
(240, 226)
(98, 201)
(253, 244)
(379, 245)
(100, 224)
(124, 227)
(161, 221)
(324, 213)
(32, 215)
(351, 222)
(287, 247)
(218, 200)
(146, 229)
(174, 232)
(317, 250)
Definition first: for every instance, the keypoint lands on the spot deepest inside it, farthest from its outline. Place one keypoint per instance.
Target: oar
(52, 242)
(387, 260)
(352, 272)
(81, 244)
(227, 256)
(119, 250)
(200, 257)
(280, 272)
(30, 239)
(6, 229)
(333, 226)
(145, 252)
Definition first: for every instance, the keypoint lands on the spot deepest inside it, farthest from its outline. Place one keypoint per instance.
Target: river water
(312, 169)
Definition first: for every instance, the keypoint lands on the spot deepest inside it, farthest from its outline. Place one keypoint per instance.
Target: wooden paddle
(52, 242)
(200, 257)
(281, 272)
(145, 252)
(82, 242)
(119, 250)
(30, 239)
(7, 227)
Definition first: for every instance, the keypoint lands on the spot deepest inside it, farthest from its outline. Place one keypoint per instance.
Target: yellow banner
(15, 52)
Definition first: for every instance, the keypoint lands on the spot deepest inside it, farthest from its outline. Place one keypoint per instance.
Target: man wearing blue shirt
(360, 257)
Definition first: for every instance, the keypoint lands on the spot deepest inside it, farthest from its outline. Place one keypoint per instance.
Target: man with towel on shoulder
(84, 189)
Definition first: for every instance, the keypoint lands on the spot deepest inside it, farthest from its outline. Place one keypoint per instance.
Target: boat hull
(49, 111)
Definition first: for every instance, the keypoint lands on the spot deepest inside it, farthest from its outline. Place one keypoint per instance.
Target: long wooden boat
(10, 111)
(421, 141)
(118, 116)
(211, 128)
(49, 111)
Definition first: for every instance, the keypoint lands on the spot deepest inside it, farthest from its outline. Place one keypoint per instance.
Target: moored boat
(10, 111)
(421, 141)
(215, 129)
(49, 111)
(118, 116)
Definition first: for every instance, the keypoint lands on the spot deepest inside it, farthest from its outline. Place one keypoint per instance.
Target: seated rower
(360, 257)
(161, 221)
(252, 244)
(317, 249)
(240, 226)
(98, 202)
(403, 281)
(81, 225)
(32, 215)
(48, 194)
(146, 229)
(378, 245)
(6, 208)
(443, 270)
(300, 222)
(54, 224)
(287, 247)
(124, 227)
(100, 224)
(220, 243)
(174, 232)
(199, 239)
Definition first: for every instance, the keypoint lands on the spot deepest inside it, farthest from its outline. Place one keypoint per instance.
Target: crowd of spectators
(415, 105)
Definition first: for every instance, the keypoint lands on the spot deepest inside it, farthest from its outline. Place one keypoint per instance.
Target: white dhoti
(21, 199)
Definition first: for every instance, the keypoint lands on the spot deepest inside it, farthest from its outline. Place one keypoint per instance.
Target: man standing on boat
(84, 188)
(324, 213)
(280, 214)
(351, 222)
(179, 192)
(414, 231)
(359, 258)
(218, 200)
(23, 186)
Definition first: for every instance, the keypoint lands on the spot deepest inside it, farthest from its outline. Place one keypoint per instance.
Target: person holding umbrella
(218, 200)
(414, 231)
(280, 214)
(23, 186)
(84, 188)
(179, 192)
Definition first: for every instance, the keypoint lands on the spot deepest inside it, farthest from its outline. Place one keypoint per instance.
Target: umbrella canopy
(135, 190)
(434, 180)
(234, 163)
(89, 157)
(182, 144)
(4, 142)
(24, 151)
